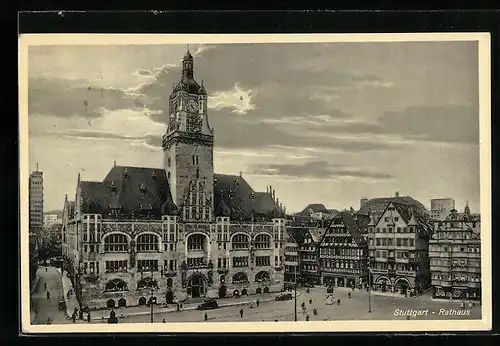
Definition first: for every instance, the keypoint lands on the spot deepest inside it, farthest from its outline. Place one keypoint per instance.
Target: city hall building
(177, 232)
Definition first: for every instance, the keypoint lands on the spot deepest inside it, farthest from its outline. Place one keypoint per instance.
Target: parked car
(284, 296)
(208, 305)
(62, 305)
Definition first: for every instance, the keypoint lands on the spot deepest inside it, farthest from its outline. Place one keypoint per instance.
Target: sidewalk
(71, 303)
(138, 311)
(33, 288)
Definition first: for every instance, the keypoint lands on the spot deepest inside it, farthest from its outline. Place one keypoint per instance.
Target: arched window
(115, 243)
(263, 241)
(262, 276)
(240, 241)
(196, 242)
(116, 285)
(147, 283)
(240, 278)
(147, 242)
(169, 282)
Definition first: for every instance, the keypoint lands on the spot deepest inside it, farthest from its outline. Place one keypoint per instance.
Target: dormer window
(125, 174)
(153, 175)
(143, 188)
(113, 186)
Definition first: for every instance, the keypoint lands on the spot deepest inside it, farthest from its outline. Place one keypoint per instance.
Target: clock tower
(188, 147)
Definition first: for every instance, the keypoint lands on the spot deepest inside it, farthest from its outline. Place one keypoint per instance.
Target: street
(48, 307)
(355, 308)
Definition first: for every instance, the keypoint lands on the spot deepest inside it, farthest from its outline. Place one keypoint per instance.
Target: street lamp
(369, 289)
(295, 293)
(152, 299)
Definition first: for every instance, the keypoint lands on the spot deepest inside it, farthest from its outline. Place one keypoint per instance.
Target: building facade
(36, 201)
(455, 256)
(441, 208)
(180, 232)
(399, 249)
(51, 219)
(343, 253)
(33, 255)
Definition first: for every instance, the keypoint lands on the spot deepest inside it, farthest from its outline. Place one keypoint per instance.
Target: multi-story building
(294, 237)
(50, 219)
(343, 253)
(36, 201)
(302, 257)
(398, 249)
(33, 255)
(455, 256)
(376, 206)
(441, 208)
(180, 231)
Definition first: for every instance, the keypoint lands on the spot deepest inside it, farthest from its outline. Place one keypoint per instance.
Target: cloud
(65, 98)
(238, 100)
(317, 170)
(445, 123)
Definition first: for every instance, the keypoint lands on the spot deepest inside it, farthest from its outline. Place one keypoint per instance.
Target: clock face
(192, 106)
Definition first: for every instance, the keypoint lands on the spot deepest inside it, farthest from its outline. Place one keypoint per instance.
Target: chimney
(114, 163)
(66, 197)
(37, 166)
(78, 177)
(241, 174)
(277, 201)
(267, 189)
(274, 195)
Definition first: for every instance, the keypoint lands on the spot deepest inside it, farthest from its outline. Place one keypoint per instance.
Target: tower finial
(37, 166)
(187, 48)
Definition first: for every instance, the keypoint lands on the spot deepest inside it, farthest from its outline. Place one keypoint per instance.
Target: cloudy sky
(322, 123)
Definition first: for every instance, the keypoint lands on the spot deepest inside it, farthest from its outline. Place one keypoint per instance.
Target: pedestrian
(470, 305)
(206, 316)
(310, 301)
(349, 295)
(48, 294)
(49, 321)
(178, 307)
(74, 317)
(315, 312)
(241, 312)
(45, 269)
(408, 317)
(338, 301)
(307, 317)
(88, 317)
(45, 286)
(462, 305)
(164, 321)
(258, 302)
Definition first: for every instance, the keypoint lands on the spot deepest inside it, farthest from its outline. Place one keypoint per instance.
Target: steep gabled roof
(411, 212)
(242, 200)
(382, 202)
(133, 190)
(298, 234)
(351, 225)
(315, 208)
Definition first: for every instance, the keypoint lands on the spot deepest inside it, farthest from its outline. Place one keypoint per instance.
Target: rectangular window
(378, 241)
(196, 262)
(389, 242)
(219, 262)
(405, 242)
(398, 242)
(116, 266)
(224, 263)
(276, 263)
(239, 262)
(147, 265)
(262, 261)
